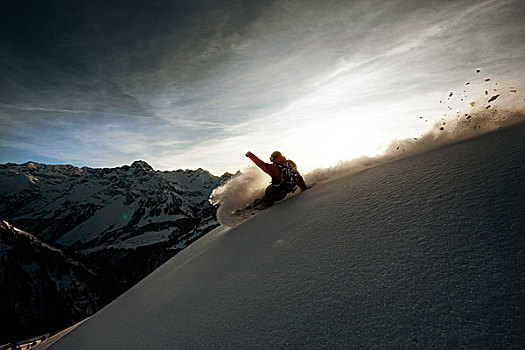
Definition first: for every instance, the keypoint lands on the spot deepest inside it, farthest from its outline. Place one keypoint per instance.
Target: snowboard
(250, 210)
(243, 214)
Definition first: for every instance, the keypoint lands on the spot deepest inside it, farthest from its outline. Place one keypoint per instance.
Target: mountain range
(75, 238)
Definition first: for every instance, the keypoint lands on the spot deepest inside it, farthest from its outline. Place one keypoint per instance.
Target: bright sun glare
(341, 140)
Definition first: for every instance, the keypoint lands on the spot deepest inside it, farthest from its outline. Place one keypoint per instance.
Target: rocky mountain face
(42, 288)
(121, 222)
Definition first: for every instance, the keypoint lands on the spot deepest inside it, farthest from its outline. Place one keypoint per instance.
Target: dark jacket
(274, 170)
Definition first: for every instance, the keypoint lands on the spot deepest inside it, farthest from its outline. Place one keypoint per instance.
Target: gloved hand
(248, 154)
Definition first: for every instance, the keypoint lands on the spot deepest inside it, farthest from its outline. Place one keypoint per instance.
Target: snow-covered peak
(106, 207)
(140, 164)
(194, 180)
(31, 164)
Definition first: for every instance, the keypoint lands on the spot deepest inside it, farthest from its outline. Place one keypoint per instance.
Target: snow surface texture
(424, 252)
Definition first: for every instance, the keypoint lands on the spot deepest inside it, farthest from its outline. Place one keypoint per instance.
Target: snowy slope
(424, 252)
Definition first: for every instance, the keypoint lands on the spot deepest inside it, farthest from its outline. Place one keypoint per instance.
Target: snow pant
(273, 194)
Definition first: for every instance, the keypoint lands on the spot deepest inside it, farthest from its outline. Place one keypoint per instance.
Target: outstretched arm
(264, 166)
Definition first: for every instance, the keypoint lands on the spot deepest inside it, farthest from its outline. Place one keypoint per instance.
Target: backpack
(288, 177)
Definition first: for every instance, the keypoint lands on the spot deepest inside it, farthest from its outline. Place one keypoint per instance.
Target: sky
(189, 84)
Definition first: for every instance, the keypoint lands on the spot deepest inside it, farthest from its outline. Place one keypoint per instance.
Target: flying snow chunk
(493, 98)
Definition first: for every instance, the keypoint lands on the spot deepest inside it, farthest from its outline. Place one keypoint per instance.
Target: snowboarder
(285, 178)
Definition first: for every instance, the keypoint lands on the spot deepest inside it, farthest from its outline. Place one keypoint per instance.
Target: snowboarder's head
(277, 157)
